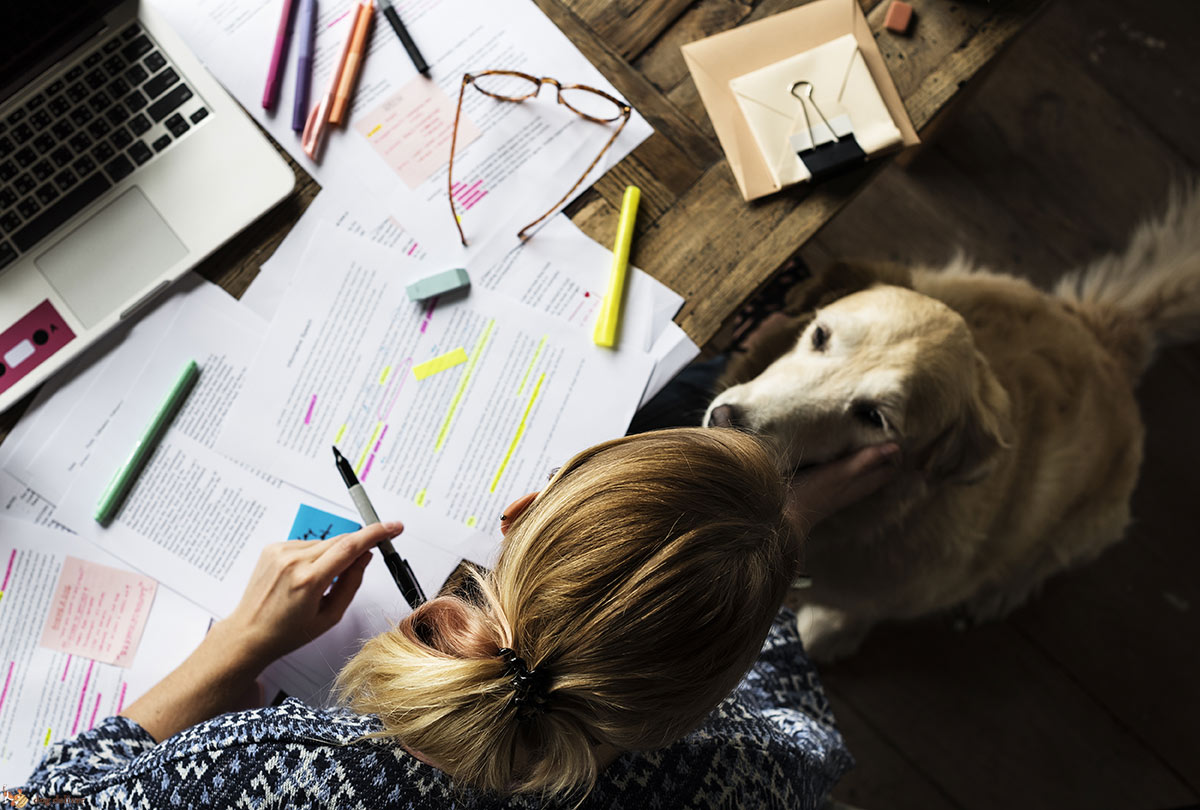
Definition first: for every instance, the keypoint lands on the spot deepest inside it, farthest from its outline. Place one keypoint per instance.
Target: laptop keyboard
(112, 111)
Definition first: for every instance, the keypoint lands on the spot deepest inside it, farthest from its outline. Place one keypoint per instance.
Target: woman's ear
(514, 511)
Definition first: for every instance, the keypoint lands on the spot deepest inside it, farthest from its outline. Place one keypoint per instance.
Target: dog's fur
(1014, 410)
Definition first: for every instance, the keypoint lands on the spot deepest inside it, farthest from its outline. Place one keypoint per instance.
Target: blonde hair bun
(640, 583)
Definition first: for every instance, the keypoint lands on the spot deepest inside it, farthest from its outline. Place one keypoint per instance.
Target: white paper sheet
(514, 160)
(203, 323)
(20, 502)
(354, 213)
(673, 350)
(560, 271)
(337, 368)
(47, 695)
(50, 410)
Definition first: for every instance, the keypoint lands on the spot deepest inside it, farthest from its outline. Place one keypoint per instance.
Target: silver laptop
(122, 165)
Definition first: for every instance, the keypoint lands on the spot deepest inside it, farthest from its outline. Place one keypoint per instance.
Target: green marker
(128, 472)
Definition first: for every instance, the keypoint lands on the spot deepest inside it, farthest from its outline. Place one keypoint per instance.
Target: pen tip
(336, 454)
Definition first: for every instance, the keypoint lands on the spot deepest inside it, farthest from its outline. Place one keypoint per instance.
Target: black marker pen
(401, 571)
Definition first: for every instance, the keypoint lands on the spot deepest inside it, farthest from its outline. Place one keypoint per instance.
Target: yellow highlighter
(610, 312)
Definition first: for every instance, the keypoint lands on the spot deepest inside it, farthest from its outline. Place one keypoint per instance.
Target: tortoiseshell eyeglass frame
(623, 112)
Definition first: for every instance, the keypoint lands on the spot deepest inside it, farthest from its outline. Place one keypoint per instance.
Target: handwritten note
(411, 130)
(98, 612)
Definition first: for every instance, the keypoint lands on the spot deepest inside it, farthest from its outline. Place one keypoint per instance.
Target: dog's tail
(1148, 296)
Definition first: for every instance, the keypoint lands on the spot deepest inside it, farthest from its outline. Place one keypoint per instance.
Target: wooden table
(695, 233)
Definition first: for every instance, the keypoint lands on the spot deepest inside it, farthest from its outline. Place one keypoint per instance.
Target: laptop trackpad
(104, 263)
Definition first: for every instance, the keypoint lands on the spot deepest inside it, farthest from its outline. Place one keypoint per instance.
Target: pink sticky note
(98, 612)
(411, 130)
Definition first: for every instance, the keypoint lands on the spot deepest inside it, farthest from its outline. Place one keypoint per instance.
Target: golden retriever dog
(1014, 410)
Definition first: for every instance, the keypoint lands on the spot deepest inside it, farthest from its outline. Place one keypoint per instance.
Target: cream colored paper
(843, 91)
(716, 60)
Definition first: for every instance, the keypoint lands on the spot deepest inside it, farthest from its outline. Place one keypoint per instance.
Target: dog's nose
(724, 416)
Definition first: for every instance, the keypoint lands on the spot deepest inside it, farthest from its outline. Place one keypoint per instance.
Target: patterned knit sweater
(771, 744)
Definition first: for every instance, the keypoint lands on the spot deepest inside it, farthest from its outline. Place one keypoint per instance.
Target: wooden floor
(1089, 696)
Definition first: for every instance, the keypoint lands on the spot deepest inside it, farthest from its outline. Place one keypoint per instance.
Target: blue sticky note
(316, 524)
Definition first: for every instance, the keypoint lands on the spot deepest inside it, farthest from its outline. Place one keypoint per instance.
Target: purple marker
(304, 63)
(275, 71)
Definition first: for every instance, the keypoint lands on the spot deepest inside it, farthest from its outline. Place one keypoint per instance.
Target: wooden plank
(664, 116)
(882, 776)
(1126, 626)
(996, 724)
(658, 168)
(935, 88)
(1144, 55)
(628, 26)
(928, 212)
(712, 247)
(1059, 151)
(662, 63)
(963, 44)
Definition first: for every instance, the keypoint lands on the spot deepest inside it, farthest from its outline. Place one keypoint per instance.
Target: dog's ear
(969, 449)
(841, 279)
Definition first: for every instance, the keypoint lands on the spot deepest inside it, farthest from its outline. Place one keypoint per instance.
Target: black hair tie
(529, 684)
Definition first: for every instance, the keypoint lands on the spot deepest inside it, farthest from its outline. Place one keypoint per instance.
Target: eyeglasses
(510, 85)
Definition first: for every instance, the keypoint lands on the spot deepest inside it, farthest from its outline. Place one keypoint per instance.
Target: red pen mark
(367, 468)
(4, 694)
(412, 249)
(311, 404)
(474, 200)
(468, 196)
(338, 20)
(68, 666)
(121, 699)
(79, 709)
(92, 721)
(13, 556)
(428, 314)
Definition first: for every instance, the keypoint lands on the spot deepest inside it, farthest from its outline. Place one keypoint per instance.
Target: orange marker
(353, 63)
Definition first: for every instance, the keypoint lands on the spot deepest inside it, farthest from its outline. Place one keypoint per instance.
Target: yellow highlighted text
(439, 363)
(520, 430)
(362, 460)
(462, 385)
(536, 353)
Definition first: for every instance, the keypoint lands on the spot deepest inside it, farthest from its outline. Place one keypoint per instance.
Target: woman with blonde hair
(592, 667)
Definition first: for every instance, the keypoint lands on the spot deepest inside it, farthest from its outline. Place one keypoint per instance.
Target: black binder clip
(832, 155)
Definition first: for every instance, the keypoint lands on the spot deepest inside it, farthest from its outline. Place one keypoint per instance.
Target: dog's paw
(829, 634)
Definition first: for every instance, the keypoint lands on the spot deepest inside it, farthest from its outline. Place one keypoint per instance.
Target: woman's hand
(820, 491)
(292, 597)
(290, 600)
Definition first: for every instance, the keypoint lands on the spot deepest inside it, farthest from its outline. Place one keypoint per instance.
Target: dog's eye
(819, 338)
(870, 415)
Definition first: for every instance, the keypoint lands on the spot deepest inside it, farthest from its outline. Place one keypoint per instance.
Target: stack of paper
(448, 408)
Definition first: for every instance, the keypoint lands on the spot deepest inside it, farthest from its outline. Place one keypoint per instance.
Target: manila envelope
(842, 90)
(716, 60)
